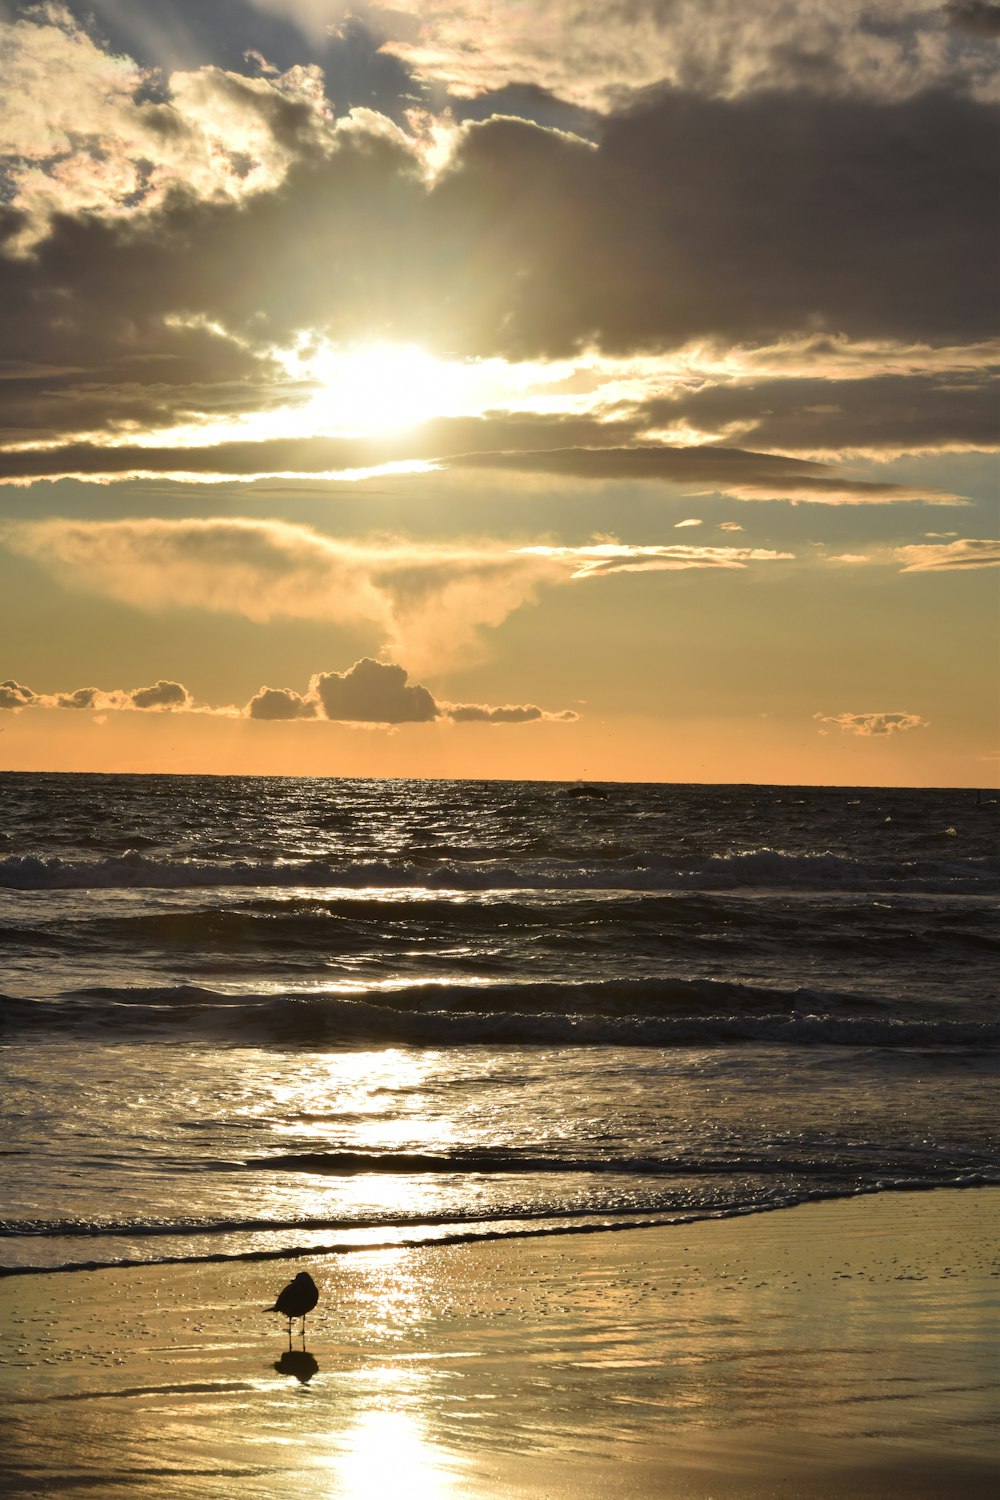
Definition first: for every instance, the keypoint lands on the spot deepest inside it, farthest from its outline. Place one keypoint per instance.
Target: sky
(464, 388)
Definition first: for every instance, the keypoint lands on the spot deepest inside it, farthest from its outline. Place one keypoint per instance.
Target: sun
(387, 387)
(376, 388)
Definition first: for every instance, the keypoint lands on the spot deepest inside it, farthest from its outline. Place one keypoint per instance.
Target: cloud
(115, 139)
(690, 522)
(164, 292)
(873, 725)
(516, 441)
(967, 552)
(730, 526)
(979, 18)
(616, 557)
(525, 713)
(598, 57)
(14, 694)
(280, 703)
(369, 692)
(89, 697)
(678, 182)
(882, 415)
(733, 471)
(433, 600)
(373, 692)
(162, 694)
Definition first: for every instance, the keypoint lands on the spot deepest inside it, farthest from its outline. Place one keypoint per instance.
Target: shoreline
(845, 1348)
(458, 1237)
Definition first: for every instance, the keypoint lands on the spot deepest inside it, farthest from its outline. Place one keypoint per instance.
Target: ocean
(247, 1016)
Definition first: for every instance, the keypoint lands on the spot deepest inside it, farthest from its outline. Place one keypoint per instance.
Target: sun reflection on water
(388, 1454)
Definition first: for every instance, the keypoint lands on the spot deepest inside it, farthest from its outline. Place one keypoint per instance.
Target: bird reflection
(297, 1362)
(295, 1300)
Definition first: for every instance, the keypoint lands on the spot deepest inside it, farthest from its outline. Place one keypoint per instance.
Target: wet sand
(835, 1349)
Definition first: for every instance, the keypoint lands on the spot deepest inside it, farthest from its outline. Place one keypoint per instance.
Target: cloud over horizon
(162, 696)
(369, 692)
(873, 725)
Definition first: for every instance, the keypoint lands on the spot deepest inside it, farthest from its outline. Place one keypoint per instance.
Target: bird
(295, 1300)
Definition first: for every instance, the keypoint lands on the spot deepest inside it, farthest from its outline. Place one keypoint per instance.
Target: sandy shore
(836, 1349)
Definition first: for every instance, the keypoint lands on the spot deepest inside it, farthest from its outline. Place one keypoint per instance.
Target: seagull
(295, 1300)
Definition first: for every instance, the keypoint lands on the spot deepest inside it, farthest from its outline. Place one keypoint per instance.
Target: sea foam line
(607, 1224)
(638, 871)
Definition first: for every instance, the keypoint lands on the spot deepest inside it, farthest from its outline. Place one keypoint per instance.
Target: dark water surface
(245, 1014)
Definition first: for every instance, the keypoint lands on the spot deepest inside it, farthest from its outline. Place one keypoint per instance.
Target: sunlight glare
(377, 388)
(390, 1456)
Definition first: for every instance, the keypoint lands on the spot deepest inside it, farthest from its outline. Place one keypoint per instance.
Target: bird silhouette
(295, 1300)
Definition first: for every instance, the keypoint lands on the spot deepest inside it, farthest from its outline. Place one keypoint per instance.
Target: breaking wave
(757, 868)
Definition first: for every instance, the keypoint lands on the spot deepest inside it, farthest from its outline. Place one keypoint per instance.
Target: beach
(831, 1349)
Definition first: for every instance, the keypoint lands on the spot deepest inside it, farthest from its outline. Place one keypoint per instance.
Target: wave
(637, 926)
(629, 1013)
(178, 1228)
(756, 868)
(485, 1162)
(430, 1235)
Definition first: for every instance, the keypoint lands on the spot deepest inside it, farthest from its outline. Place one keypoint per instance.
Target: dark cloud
(897, 412)
(525, 713)
(747, 475)
(126, 302)
(445, 439)
(56, 405)
(978, 17)
(524, 444)
(81, 698)
(14, 694)
(280, 703)
(162, 694)
(743, 220)
(373, 692)
(370, 692)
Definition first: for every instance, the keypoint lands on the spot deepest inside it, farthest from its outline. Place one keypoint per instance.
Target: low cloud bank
(369, 692)
(873, 725)
(162, 695)
(374, 692)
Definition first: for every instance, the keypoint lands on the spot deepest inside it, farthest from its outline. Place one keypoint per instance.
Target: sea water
(248, 1016)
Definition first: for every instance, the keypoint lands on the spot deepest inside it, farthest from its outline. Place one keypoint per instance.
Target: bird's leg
(289, 1335)
(303, 1330)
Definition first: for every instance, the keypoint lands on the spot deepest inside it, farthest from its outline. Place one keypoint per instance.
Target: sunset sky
(457, 388)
